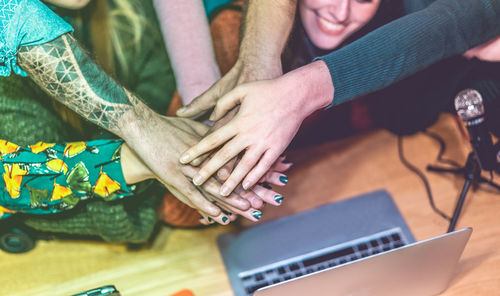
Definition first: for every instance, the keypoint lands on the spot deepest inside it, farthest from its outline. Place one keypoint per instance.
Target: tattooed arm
(66, 72)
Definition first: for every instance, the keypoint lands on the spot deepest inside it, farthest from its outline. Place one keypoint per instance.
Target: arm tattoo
(68, 74)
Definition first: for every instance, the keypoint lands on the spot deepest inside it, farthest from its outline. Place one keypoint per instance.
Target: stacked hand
(270, 113)
(160, 143)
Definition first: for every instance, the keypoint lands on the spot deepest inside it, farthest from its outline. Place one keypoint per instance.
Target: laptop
(358, 246)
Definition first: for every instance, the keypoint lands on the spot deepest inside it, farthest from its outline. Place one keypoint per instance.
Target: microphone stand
(472, 174)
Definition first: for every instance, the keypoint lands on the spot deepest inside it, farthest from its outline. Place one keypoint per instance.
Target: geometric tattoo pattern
(67, 73)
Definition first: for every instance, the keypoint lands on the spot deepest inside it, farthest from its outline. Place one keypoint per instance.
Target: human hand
(269, 116)
(159, 140)
(241, 72)
(489, 51)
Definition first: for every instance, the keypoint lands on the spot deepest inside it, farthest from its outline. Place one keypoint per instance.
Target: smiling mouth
(330, 28)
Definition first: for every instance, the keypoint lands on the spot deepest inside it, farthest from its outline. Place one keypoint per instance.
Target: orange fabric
(176, 213)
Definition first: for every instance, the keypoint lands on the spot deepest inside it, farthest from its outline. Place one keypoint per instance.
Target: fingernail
(257, 215)
(212, 116)
(224, 191)
(197, 180)
(278, 198)
(182, 110)
(284, 179)
(210, 220)
(286, 161)
(246, 185)
(266, 185)
(224, 219)
(184, 158)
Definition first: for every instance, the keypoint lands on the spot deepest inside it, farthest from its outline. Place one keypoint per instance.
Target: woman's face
(329, 22)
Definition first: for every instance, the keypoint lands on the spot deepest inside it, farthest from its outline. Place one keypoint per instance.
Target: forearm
(265, 32)
(190, 49)
(68, 74)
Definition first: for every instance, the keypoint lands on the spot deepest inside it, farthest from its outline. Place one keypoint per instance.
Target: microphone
(470, 108)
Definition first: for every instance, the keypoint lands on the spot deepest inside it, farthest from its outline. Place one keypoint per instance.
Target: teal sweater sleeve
(407, 45)
(47, 178)
(23, 23)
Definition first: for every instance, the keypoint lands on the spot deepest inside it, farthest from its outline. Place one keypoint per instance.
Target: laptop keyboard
(351, 251)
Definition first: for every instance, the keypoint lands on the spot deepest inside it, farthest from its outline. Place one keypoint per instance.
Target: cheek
(363, 13)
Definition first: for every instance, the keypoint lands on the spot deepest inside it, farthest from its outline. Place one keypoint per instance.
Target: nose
(340, 10)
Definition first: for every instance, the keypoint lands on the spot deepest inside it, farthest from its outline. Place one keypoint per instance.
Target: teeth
(330, 26)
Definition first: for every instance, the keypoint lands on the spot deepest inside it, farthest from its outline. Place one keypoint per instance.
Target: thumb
(200, 104)
(227, 103)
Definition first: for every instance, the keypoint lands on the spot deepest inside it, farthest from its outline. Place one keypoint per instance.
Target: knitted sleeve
(47, 178)
(23, 23)
(409, 44)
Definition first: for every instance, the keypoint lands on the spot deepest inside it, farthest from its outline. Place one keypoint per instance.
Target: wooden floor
(189, 258)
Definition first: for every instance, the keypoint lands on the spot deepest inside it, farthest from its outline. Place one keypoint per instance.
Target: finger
(276, 178)
(199, 160)
(281, 166)
(261, 168)
(230, 150)
(212, 187)
(227, 102)
(268, 195)
(199, 128)
(196, 198)
(179, 196)
(247, 162)
(209, 143)
(228, 211)
(251, 214)
(255, 201)
(226, 170)
(200, 104)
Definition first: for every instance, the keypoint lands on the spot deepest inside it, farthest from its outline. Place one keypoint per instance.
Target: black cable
(442, 149)
(422, 177)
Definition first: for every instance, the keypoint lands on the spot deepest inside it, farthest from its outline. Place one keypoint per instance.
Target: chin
(325, 44)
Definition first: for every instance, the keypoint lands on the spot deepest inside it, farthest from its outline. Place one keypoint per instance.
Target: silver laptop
(354, 247)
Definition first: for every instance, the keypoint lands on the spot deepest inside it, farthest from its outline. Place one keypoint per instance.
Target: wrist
(311, 86)
(133, 169)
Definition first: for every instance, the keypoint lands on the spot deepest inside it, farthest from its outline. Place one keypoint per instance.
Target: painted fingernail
(266, 185)
(284, 179)
(286, 161)
(278, 198)
(210, 220)
(224, 219)
(197, 180)
(225, 190)
(257, 215)
(184, 158)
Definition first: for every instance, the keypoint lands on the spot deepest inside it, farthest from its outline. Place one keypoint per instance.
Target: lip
(328, 27)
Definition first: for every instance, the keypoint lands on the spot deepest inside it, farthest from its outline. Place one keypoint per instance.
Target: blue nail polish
(266, 185)
(284, 179)
(257, 215)
(210, 219)
(278, 198)
(224, 219)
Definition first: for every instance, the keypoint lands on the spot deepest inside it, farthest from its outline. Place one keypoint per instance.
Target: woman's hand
(270, 114)
(489, 51)
(176, 135)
